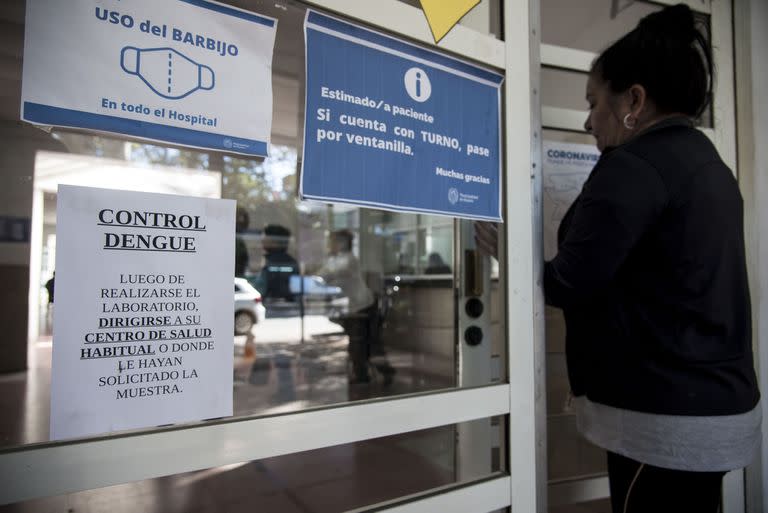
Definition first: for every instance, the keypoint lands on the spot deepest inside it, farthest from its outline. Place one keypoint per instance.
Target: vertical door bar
(527, 431)
(473, 451)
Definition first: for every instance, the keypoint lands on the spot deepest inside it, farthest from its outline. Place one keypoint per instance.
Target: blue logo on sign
(453, 195)
(167, 72)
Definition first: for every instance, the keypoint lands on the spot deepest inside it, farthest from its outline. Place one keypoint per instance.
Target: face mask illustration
(168, 73)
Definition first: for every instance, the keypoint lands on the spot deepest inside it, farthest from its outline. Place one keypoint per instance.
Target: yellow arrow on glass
(442, 15)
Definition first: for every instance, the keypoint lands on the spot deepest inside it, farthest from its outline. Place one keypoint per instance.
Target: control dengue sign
(143, 313)
(189, 72)
(395, 126)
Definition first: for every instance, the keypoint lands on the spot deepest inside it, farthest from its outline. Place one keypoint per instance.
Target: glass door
(350, 392)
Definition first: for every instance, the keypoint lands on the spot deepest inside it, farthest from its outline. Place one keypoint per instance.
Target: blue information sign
(391, 125)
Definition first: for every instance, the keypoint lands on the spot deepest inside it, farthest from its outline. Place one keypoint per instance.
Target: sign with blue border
(394, 126)
(187, 72)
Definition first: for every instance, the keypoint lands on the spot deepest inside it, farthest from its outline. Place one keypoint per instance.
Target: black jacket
(651, 275)
(275, 278)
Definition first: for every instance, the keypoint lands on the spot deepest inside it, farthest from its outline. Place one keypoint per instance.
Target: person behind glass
(242, 219)
(362, 320)
(279, 266)
(436, 265)
(651, 276)
(50, 285)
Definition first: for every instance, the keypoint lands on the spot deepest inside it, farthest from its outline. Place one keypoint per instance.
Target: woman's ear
(638, 100)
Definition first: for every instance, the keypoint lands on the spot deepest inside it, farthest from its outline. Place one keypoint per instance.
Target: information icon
(417, 84)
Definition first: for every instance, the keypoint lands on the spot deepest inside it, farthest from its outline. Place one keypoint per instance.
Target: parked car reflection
(318, 295)
(249, 309)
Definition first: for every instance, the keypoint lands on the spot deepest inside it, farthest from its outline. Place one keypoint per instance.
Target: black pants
(363, 329)
(659, 490)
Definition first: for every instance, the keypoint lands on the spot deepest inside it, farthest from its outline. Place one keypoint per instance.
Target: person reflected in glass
(274, 279)
(49, 287)
(241, 250)
(363, 318)
(436, 265)
(651, 276)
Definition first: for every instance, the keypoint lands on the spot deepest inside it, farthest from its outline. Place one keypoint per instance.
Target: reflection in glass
(346, 326)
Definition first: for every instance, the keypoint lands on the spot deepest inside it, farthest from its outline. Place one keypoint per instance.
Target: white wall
(759, 36)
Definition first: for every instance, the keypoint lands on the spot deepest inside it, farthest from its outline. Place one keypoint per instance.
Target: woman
(362, 322)
(651, 276)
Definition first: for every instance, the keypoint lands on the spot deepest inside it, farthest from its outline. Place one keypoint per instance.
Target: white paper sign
(566, 168)
(190, 72)
(143, 316)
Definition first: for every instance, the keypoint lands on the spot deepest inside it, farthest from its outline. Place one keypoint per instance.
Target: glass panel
(591, 25)
(327, 480)
(569, 454)
(568, 137)
(350, 303)
(564, 89)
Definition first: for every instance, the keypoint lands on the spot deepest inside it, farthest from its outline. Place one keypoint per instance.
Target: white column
(751, 42)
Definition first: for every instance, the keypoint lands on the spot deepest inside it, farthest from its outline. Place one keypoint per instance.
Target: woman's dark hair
(668, 55)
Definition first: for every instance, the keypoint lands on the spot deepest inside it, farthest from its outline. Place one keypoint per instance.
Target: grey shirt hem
(680, 442)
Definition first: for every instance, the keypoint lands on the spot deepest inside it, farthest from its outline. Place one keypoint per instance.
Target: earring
(629, 123)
